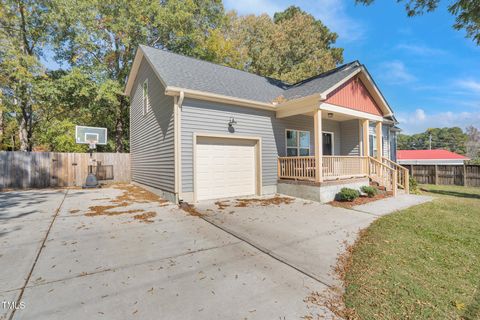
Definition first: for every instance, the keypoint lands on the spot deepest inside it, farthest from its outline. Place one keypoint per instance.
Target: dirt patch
(131, 194)
(145, 217)
(104, 212)
(135, 194)
(359, 201)
(277, 200)
(222, 204)
(190, 209)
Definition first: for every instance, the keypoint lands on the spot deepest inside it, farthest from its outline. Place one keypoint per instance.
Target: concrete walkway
(390, 205)
(306, 235)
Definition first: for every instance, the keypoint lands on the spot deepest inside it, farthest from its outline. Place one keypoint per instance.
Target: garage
(225, 167)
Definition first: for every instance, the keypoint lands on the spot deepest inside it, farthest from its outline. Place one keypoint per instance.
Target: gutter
(197, 94)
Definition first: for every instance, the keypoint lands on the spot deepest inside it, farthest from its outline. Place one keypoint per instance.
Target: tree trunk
(2, 130)
(120, 125)
(22, 134)
(119, 135)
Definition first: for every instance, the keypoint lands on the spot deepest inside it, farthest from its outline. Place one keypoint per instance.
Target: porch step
(377, 185)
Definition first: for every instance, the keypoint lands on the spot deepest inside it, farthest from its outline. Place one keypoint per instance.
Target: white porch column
(317, 120)
(365, 136)
(379, 133)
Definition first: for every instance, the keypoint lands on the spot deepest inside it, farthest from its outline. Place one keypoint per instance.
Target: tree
(466, 12)
(24, 28)
(453, 139)
(290, 47)
(101, 37)
(473, 144)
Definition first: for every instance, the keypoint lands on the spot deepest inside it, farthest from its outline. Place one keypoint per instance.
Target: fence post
(464, 175)
(436, 174)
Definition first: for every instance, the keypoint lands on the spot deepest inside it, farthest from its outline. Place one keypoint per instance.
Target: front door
(327, 144)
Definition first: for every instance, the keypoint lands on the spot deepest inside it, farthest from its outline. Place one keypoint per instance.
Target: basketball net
(92, 144)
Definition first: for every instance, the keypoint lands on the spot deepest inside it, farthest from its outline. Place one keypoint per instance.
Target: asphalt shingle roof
(189, 73)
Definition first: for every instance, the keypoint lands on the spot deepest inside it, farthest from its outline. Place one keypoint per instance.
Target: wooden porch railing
(299, 168)
(383, 174)
(403, 175)
(338, 167)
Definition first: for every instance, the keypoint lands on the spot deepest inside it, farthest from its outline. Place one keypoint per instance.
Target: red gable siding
(354, 95)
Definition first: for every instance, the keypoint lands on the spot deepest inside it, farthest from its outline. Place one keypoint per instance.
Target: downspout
(178, 102)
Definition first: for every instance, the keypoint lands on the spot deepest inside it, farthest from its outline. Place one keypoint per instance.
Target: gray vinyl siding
(209, 117)
(350, 137)
(152, 135)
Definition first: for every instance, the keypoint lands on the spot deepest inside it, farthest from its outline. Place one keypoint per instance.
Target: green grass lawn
(420, 263)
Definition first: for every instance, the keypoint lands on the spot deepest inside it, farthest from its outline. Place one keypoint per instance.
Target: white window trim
(145, 108)
(298, 142)
(333, 141)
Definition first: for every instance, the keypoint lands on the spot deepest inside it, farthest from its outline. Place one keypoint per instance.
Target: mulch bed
(359, 201)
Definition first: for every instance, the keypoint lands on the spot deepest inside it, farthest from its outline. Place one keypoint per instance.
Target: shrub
(347, 194)
(413, 185)
(370, 191)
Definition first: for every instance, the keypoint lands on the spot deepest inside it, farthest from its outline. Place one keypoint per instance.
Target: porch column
(378, 133)
(317, 120)
(365, 136)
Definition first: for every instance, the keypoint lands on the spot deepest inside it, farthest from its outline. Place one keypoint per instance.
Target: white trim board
(347, 111)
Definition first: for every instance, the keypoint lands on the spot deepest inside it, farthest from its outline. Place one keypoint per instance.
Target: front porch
(355, 156)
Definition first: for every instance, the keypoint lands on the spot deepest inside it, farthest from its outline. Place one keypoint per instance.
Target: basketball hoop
(91, 136)
(92, 144)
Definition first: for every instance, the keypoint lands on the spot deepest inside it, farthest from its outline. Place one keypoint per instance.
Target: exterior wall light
(232, 122)
(330, 115)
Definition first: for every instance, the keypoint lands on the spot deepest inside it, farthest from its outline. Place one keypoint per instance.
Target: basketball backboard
(90, 135)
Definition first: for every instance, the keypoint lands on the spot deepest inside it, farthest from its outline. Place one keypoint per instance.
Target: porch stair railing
(403, 175)
(383, 174)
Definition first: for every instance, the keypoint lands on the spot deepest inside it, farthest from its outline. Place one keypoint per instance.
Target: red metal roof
(438, 154)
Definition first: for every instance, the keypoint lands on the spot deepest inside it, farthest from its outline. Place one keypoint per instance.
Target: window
(298, 143)
(146, 102)
(373, 145)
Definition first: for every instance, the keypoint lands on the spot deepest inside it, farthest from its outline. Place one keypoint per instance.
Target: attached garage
(226, 167)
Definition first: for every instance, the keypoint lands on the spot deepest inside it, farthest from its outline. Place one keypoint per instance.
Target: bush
(370, 191)
(413, 184)
(347, 194)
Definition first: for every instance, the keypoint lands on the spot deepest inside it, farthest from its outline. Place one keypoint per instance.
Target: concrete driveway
(120, 253)
(305, 235)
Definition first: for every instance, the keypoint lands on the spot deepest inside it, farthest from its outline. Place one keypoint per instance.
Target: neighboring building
(430, 157)
(202, 131)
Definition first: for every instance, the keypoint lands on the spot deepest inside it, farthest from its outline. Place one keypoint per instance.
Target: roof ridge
(326, 73)
(219, 65)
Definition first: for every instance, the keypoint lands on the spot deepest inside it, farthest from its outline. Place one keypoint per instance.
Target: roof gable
(354, 95)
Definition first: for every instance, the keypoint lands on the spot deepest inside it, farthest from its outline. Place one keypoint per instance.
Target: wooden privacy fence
(24, 170)
(468, 175)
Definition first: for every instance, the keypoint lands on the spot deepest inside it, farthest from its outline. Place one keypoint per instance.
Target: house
(430, 157)
(201, 131)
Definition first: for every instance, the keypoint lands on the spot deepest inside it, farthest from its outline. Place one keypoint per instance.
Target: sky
(428, 72)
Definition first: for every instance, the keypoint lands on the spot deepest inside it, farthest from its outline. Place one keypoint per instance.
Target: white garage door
(224, 167)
